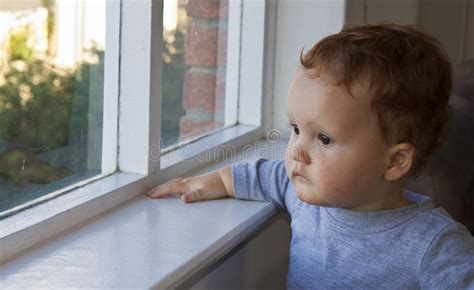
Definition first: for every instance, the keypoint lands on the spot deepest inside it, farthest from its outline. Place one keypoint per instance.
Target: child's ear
(401, 159)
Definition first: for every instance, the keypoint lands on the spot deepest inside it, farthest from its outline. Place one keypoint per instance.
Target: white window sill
(38, 223)
(143, 243)
(43, 221)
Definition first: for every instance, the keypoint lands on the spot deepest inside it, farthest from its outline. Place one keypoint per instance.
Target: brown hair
(408, 72)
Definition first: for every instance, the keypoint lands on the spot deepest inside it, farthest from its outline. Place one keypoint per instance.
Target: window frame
(130, 162)
(109, 115)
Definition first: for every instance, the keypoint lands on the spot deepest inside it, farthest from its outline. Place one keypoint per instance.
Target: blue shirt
(415, 246)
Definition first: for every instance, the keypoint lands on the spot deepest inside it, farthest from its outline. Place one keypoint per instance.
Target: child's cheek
(334, 180)
(329, 180)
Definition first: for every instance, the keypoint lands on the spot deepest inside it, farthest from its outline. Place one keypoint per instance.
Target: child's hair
(407, 71)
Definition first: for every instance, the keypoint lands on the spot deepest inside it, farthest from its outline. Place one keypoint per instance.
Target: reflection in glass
(194, 57)
(51, 94)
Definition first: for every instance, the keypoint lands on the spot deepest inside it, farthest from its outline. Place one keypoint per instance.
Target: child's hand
(216, 184)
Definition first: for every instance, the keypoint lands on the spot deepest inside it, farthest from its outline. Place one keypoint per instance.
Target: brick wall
(205, 51)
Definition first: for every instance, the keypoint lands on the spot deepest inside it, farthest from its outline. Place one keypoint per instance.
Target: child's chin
(309, 197)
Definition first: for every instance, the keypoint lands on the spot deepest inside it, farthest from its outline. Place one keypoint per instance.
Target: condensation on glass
(51, 96)
(194, 71)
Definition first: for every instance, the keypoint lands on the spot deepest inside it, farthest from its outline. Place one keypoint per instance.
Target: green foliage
(88, 97)
(18, 45)
(43, 108)
(46, 108)
(173, 72)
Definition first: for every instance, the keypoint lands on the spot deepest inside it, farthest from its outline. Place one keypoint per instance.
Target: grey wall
(469, 38)
(301, 23)
(451, 21)
(260, 263)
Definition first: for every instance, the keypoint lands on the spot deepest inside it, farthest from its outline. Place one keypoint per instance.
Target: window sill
(38, 223)
(34, 225)
(144, 243)
(148, 243)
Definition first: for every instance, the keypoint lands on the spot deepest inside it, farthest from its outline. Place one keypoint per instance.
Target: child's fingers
(166, 189)
(191, 196)
(201, 194)
(174, 186)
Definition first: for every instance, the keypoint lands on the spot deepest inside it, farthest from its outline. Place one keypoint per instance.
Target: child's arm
(262, 180)
(213, 185)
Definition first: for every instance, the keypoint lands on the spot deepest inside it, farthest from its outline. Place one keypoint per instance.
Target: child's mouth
(298, 176)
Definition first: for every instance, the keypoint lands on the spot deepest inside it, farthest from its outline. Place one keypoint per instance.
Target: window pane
(194, 72)
(51, 94)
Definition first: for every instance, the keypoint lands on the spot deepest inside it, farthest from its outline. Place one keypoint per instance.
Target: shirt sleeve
(263, 180)
(449, 261)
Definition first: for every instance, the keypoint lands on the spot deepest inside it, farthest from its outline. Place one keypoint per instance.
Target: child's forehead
(321, 102)
(359, 89)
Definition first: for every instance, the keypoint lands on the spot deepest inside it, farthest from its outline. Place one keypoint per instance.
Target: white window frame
(110, 113)
(130, 159)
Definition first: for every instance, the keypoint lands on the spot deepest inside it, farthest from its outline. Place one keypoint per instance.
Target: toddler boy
(367, 107)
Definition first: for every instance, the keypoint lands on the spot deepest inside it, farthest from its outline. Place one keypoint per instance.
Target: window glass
(51, 96)
(194, 72)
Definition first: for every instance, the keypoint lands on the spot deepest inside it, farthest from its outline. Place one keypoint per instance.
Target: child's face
(336, 145)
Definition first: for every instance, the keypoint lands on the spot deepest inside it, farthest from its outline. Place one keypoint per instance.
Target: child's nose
(300, 154)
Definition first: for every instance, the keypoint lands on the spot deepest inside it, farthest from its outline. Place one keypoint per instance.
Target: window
(51, 96)
(194, 69)
(128, 154)
(187, 68)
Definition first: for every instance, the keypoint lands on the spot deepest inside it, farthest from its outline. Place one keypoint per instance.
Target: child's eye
(324, 139)
(295, 129)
